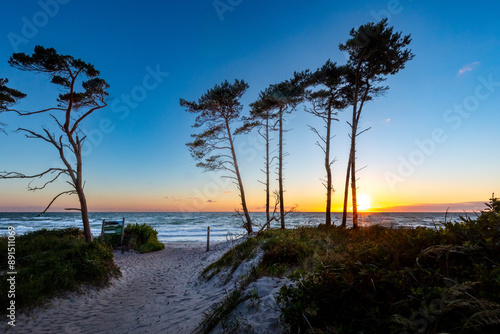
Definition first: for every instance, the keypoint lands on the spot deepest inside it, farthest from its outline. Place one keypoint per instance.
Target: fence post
(208, 238)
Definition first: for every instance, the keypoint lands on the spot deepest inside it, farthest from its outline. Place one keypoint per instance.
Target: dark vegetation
(49, 262)
(140, 237)
(384, 280)
(8, 97)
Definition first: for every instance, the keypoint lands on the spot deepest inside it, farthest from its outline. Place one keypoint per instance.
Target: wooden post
(208, 238)
(123, 228)
(123, 232)
(102, 230)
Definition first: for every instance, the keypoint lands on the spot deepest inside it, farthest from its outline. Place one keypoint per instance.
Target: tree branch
(46, 183)
(69, 192)
(16, 175)
(35, 135)
(75, 126)
(20, 113)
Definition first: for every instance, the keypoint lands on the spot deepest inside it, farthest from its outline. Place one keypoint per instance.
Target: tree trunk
(85, 215)
(248, 225)
(353, 186)
(280, 170)
(352, 159)
(328, 168)
(351, 167)
(77, 149)
(346, 192)
(268, 218)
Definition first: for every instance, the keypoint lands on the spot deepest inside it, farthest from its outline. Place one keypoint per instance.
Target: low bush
(418, 280)
(383, 280)
(140, 237)
(49, 262)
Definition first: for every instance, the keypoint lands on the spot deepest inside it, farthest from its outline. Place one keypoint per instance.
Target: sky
(433, 142)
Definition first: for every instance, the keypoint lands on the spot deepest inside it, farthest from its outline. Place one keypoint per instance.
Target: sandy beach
(158, 293)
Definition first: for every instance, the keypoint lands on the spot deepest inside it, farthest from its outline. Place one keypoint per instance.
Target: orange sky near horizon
(226, 201)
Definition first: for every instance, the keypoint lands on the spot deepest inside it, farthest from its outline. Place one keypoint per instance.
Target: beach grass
(232, 259)
(49, 262)
(383, 280)
(219, 312)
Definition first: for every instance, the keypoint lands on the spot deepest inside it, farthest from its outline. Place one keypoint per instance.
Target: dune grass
(49, 262)
(232, 259)
(384, 280)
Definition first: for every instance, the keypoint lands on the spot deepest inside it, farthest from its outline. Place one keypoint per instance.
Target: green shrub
(49, 262)
(381, 280)
(142, 238)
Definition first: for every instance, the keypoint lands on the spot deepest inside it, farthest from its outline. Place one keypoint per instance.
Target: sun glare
(364, 202)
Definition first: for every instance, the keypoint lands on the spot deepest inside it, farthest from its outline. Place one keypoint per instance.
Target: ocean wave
(192, 227)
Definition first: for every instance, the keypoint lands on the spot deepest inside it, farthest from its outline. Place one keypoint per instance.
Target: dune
(159, 292)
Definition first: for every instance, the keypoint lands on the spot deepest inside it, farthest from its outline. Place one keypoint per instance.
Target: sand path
(156, 294)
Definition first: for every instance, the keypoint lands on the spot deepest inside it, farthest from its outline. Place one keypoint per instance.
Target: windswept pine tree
(277, 101)
(375, 52)
(72, 108)
(8, 97)
(265, 122)
(326, 100)
(217, 110)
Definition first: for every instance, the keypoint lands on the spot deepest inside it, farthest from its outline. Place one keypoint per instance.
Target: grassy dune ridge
(381, 280)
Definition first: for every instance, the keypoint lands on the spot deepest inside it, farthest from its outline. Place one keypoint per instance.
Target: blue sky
(433, 139)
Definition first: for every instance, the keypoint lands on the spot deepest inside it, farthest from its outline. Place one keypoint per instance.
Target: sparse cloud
(211, 201)
(468, 67)
(166, 197)
(228, 192)
(388, 120)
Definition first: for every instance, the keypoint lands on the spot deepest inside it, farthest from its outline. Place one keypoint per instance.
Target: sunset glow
(364, 202)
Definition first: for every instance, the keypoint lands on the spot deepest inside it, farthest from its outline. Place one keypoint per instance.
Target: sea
(192, 227)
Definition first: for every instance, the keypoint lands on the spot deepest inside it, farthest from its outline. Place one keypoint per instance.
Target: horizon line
(320, 212)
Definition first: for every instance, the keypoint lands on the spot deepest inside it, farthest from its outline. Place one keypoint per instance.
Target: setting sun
(364, 202)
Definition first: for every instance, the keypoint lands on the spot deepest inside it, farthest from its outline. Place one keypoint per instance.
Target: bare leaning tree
(72, 109)
(326, 100)
(278, 100)
(375, 52)
(264, 121)
(216, 111)
(8, 97)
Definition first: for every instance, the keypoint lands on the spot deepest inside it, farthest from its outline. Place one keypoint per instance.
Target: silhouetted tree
(281, 99)
(72, 109)
(375, 52)
(8, 97)
(326, 100)
(216, 110)
(262, 119)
